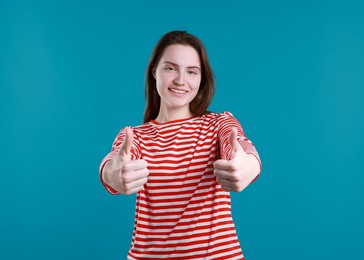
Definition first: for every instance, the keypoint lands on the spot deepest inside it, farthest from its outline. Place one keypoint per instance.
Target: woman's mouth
(178, 92)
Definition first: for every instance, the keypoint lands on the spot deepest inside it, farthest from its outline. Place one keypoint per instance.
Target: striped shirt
(182, 212)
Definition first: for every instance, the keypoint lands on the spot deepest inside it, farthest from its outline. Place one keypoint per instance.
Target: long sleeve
(227, 121)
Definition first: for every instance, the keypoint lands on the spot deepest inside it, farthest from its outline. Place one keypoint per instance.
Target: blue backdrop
(72, 74)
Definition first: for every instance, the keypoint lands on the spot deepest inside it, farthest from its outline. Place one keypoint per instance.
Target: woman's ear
(153, 73)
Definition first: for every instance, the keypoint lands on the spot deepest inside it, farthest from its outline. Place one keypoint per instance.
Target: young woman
(182, 161)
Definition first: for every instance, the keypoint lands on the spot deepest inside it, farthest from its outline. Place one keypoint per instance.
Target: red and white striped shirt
(182, 211)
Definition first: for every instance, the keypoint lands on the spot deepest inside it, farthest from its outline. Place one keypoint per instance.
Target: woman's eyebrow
(176, 65)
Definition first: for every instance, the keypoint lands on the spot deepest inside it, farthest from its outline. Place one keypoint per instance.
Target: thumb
(125, 148)
(233, 142)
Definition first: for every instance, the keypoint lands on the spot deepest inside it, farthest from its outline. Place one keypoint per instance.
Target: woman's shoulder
(142, 128)
(218, 116)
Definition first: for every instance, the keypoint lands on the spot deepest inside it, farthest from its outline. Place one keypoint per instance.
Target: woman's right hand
(123, 174)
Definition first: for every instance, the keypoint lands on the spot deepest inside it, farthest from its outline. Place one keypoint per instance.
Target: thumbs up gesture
(123, 174)
(240, 170)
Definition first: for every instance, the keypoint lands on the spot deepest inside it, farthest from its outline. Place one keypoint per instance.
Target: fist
(123, 174)
(240, 170)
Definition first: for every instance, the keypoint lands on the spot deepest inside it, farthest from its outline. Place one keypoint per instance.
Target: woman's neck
(170, 115)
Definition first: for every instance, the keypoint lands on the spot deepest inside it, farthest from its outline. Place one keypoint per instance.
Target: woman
(182, 161)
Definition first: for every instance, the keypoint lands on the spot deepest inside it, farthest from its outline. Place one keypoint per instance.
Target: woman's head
(198, 106)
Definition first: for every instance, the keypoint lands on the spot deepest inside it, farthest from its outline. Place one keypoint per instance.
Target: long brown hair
(201, 102)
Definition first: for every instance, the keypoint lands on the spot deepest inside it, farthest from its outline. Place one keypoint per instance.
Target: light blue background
(72, 74)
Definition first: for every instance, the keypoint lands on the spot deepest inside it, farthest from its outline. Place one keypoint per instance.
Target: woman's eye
(192, 72)
(169, 68)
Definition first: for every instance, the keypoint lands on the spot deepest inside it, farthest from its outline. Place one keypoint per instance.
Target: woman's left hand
(238, 172)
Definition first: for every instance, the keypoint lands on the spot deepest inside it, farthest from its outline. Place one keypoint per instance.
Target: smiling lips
(179, 92)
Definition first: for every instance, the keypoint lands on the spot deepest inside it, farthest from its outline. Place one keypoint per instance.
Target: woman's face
(178, 77)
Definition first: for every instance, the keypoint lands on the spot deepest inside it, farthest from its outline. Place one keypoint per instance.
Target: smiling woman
(183, 161)
(200, 103)
(178, 79)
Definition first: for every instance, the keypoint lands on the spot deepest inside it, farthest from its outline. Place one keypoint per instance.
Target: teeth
(179, 91)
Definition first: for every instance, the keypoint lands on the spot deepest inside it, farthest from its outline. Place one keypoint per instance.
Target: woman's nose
(179, 80)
